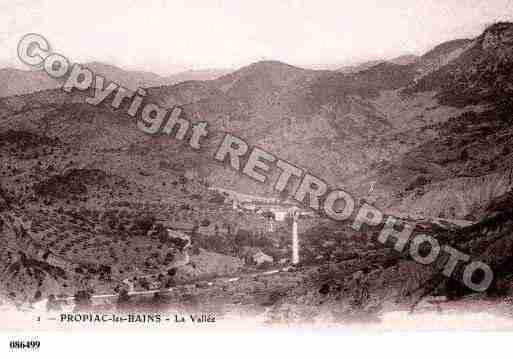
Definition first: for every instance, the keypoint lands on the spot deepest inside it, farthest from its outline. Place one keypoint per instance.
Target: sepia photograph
(202, 166)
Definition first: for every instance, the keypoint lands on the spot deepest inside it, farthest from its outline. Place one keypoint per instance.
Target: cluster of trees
(504, 106)
(134, 224)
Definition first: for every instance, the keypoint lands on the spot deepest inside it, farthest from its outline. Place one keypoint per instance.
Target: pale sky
(166, 36)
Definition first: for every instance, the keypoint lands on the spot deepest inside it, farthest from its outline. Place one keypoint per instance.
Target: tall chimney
(295, 240)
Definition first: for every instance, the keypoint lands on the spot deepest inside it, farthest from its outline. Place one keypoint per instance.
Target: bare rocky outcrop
(457, 198)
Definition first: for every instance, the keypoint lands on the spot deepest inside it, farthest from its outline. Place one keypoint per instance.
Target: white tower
(295, 239)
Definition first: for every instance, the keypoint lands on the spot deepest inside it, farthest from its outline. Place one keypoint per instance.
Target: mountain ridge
(20, 82)
(359, 122)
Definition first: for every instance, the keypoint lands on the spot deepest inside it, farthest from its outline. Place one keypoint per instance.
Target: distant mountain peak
(500, 27)
(17, 82)
(445, 48)
(497, 35)
(101, 65)
(402, 60)
(470, 71)
(270, 65)
(262, 75)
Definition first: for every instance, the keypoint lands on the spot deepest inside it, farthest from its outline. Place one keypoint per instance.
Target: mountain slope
(482, 73)
(401, 60)
(469, 161)
(349, 129)
(18, 82)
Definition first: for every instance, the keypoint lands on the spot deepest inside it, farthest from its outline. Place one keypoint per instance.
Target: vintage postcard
(173, 165)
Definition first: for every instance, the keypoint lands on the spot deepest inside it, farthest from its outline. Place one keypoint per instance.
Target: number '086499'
(29, 345)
